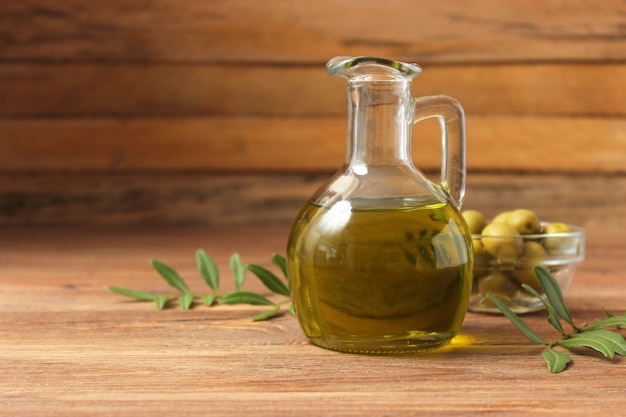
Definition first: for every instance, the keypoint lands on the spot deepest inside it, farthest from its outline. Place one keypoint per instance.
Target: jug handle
(452, 122)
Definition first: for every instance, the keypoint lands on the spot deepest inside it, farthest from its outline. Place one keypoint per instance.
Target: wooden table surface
(69, 347)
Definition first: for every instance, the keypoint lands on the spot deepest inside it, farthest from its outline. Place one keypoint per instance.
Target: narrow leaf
(553, 293)
(238, 269)
(208, 270)
(138, 295)
(553, 317)
(606, 312)
(281, 262)
(161, 301)
(292, 310)
(270, 280)
(267, 314)
(603, 341)
(613, 321)
(208, 299)
(171, 276)
(245, 297)
(556, 361)
(186, 300)
(517, 322)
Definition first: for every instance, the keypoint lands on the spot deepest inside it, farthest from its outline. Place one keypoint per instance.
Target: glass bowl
(504, 272)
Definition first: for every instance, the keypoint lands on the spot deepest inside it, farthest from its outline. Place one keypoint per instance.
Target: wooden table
(69, 347)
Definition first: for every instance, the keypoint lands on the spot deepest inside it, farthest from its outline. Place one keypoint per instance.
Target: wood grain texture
(243, 144)
(135, 90)
(311, 32)
(249, 199)
(69, 347)
(95, 95)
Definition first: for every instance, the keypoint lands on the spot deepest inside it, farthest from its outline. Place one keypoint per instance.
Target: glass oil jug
(380, 257)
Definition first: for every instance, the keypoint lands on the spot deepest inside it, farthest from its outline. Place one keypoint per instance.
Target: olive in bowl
(509, 247)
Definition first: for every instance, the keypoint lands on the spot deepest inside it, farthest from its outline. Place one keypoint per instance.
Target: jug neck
(380, 121)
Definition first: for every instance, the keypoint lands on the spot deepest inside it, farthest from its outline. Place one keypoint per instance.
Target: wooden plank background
(200, 111)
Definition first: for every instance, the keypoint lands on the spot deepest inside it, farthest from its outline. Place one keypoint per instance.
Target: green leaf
(611, 338)
(270, 280)
(138, 295)
(292, 310)
(171, 276)
(267, 314)
(612, 321)
(553, 317)
(553, 293)
(208, 299)
(604, 341)
(281, 262)
(517, 322)
(161, 301)
(556, 361)
(186, 300)
(239, 270)
(208, 270)
(606, 312)
(245, 297)
(620, 348)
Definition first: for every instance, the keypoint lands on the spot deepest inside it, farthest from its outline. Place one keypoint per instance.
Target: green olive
(502, 239)
(475, 221)
(525, 221)
(557, 228)
(502, 217)
(481, 256)
(533, 252)
(557, 245)
(499, 284)
(507, 253)
(527, 276)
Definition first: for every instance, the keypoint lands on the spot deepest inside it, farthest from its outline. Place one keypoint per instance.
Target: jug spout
(349, 67)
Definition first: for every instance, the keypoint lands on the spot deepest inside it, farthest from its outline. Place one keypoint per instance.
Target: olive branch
(595, 336)
(210, 275)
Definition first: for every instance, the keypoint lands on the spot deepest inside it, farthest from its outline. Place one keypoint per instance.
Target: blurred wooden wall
(220, 112)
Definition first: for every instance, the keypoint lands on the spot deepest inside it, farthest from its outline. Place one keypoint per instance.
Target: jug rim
(348, 66)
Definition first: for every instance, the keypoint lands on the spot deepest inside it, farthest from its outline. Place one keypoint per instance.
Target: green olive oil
(382, 276)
